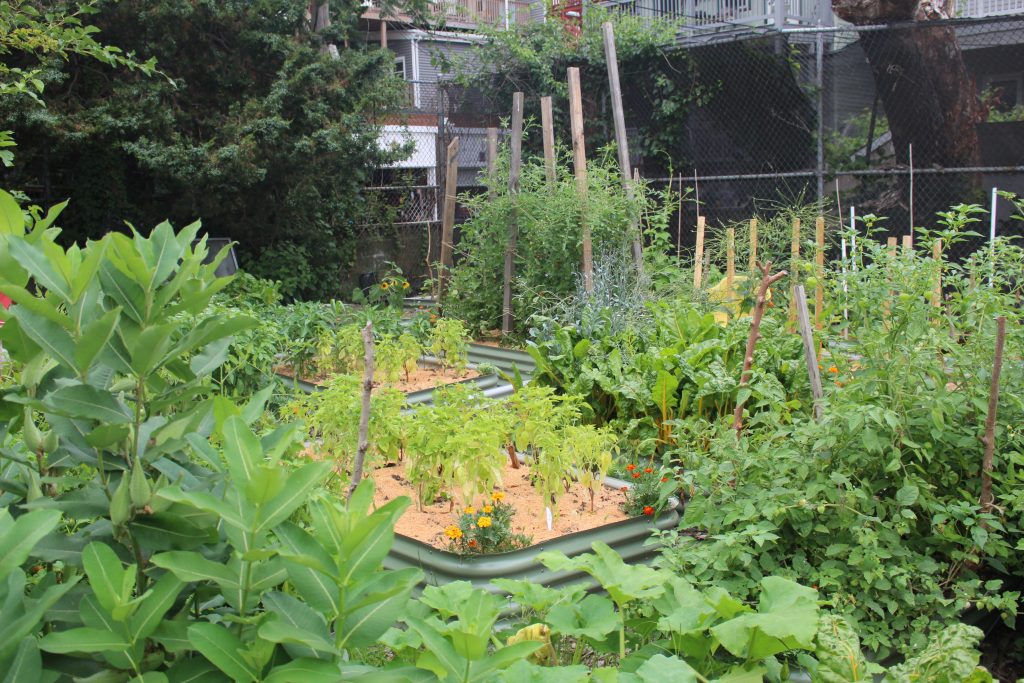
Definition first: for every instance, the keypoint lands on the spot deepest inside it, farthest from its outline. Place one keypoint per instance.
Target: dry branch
(755, 333)
(364, 412)
(989, 439)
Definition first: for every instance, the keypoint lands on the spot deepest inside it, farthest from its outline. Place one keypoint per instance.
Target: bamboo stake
(679, 223)
(621, 142)
(810, 352)
(730, 262)
(819, 270)
(492, 160)
(752, 267)
(579, 162)
(937, 257)
(513, 222)
(794, 259)
(755, 332)
(451, 186)
(989, 439)
(698, 262)
(548, 135)
(364, 411)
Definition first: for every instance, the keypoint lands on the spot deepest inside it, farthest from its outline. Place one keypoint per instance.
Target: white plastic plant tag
(547, 515)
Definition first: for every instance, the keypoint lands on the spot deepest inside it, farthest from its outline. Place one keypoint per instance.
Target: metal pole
(819, 82)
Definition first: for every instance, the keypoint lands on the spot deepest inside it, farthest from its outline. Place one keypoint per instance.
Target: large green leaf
(82, 640)
(51, 337)
(623, 582)
(106, 575)
(296, 492)
(189, 566)
(94, 337)
(18, 537)
(39, 264)
(27, 664)
(787, 619)
(223, 649)
(86, 401)
(159, 598)
(594, 617)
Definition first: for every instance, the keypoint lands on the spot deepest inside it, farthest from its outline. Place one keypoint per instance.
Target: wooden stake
(752, 267)
(755, 332)
(451, 186)
(698, 261)
(492, 160)
(364, 411)
(937, 257)
(579, 162)
(810, 350)
(886, 305)
(548, 136)
(819, 270)
(730, 262)
(515, 162)
(621, 143)
(989, 439)
(794, 260)
(908, 245)
(679, 223)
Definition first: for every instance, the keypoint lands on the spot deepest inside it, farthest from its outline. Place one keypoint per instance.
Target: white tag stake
(547, 515)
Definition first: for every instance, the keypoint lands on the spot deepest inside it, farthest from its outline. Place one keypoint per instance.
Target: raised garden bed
(627, 537)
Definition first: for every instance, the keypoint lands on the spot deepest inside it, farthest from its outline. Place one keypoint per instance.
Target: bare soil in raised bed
(574, 507)
(425, 377)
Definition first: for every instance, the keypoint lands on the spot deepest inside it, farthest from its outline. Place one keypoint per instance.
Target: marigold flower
(820, 366)
(637, 475)
(470, 510)
(839, 384)
(648, 510)
(648, 470)
(624, 489)
(834, 370)
(664, 479)
(472, 543)
(497, 496)
(483, 522)
(453, 532)
(487, 509)
(630, 468)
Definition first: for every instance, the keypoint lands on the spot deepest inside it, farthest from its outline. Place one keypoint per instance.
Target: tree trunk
(928, 95)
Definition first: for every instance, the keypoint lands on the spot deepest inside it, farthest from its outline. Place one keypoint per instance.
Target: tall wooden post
(698, 257)
(579, 162)
(515, 161)
(908, 245)
(548, 135)
(730, 262)
(887, 305)
(451, 188)
(621, 143)
(810, 352)
(937, 257)
(492, 159)
(752, 266)
(819, 269)
(794, 264)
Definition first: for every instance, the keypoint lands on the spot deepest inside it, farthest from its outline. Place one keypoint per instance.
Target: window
(1006, 89)
(400, 68)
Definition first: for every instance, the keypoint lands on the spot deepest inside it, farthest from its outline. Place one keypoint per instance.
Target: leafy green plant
(649, 491)
(449, 342)
(485, 528)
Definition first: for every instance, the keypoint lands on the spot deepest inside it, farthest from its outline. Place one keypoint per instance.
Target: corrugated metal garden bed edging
(628, 538)
(482, 382)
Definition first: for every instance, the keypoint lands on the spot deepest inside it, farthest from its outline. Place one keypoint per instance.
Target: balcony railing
(990, 8)
(467, 13)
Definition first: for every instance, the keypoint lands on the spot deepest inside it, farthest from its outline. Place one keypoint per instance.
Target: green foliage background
(256, 129)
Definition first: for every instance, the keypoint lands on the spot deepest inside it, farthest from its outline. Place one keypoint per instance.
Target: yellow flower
(483, 522)
(453, 532)
(470, 510)
(384, 285)
(497, 496)
(487, 509)
(405, 285)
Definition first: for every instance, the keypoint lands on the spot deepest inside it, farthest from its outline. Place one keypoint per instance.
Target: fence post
(451, 187)
(548, 135)
(579, 162)
(492, 160)
(752, 267)
(621, 142)
(513, 221)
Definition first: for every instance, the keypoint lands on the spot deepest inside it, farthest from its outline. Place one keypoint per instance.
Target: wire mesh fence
(901, 121)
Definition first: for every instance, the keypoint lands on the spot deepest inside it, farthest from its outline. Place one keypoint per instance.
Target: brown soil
(574, 508)
(424, 377)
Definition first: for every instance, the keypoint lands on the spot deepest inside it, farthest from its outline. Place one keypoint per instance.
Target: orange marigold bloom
(624, 489)
(834, 370)
(664, 479)
(630, 468)
(497, 496)
(470, 510)
(648, 510)
(487, 509)
(637, 475)
(648, 470)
